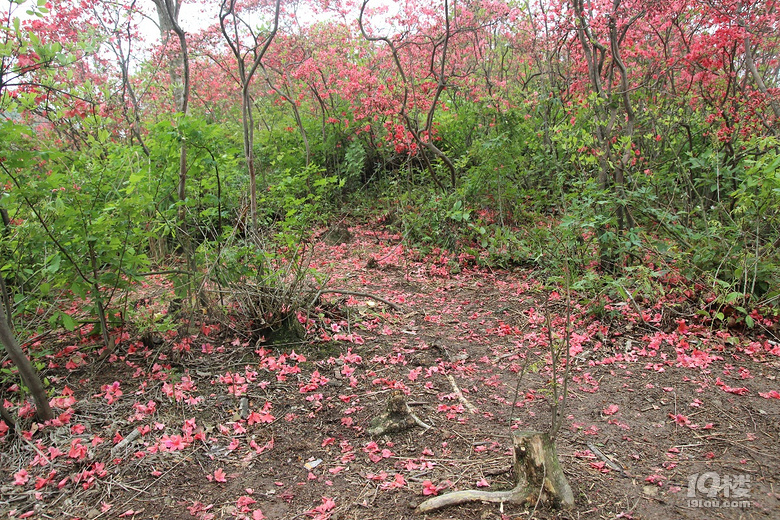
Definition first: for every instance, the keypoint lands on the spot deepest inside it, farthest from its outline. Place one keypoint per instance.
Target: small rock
(312, 464)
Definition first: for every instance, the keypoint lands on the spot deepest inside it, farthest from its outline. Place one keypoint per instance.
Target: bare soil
(640, 424)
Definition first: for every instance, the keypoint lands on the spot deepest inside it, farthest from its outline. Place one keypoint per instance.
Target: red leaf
(219, 475)
(610, 410)
(21, 477)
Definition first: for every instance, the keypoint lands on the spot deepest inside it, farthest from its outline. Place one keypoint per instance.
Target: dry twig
(470, 407)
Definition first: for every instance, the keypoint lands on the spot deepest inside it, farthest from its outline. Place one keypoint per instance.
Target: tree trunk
(751, 65)
(5, 415)
(168, 19)
(538, 476)
(249, 152)
(246, 73)
(26, 370)
(179, 71)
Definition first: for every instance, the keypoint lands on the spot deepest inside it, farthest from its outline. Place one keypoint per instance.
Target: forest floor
(668, 416)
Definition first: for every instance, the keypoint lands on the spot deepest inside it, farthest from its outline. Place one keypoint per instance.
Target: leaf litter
(216, 424)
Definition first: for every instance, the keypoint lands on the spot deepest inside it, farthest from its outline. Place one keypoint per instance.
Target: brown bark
(538, 474)
(26, 370)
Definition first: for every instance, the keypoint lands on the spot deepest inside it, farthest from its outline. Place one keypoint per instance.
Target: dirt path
(230, 429)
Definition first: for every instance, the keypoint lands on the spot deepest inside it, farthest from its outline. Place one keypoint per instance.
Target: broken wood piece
(397, 417)
(538, 474)
(355, 293)
(465, 402)
(612, 464)
(124, 443)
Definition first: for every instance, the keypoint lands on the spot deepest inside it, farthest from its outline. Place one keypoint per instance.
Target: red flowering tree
(432, 49)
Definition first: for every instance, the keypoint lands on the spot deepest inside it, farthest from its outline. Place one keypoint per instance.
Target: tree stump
(337, 235)
(396, 418)
(538, 476)
(288, 332)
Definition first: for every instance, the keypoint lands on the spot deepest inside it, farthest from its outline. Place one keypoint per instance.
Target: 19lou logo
(711, 489)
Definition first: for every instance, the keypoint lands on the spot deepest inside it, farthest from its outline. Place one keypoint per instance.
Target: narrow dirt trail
(229, 429)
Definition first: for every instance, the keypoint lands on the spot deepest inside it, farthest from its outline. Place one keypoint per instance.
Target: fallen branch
(471, 408)
(358, 294)
(540, 479)
(612, 464)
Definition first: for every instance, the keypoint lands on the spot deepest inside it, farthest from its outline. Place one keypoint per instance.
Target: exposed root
(538, 473)
(517, 495)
